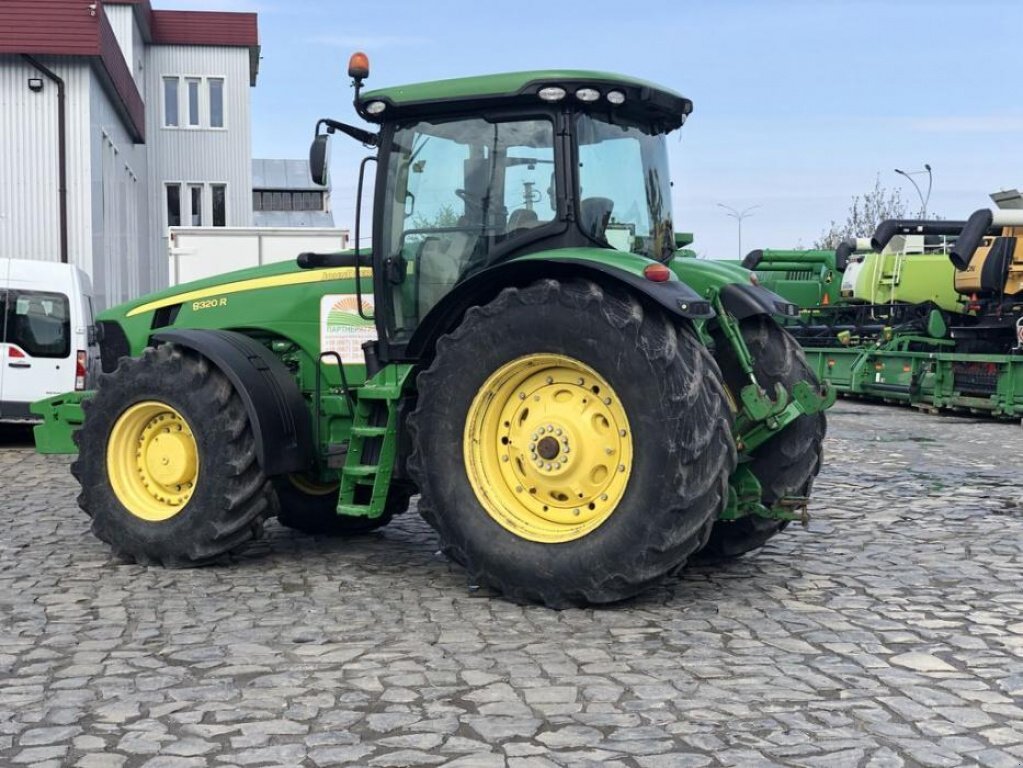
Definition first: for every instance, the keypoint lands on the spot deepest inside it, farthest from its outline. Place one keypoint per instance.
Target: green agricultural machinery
(580, 409)
(934, 317)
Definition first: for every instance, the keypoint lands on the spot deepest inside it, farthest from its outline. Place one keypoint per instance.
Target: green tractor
(580, 411)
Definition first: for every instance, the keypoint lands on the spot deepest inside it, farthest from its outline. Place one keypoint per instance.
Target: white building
(116, 122)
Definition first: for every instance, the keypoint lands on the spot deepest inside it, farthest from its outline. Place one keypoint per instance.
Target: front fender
(281, 422)
(599, 265)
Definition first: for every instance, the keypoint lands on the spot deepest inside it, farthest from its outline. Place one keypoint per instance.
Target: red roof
(73, 28)
(205, 28)
(81, 28)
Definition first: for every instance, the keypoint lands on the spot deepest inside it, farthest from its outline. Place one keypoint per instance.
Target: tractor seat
(522, 218)
(594, 216)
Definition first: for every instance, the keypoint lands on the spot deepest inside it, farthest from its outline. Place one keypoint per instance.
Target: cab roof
(513, 89)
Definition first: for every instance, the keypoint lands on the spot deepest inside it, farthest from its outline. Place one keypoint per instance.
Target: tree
(865, 212)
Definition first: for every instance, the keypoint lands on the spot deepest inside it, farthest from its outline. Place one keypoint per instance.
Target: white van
(47, 334)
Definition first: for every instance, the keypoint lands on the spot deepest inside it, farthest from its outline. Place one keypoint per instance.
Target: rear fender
(281, 422)
(672, 296)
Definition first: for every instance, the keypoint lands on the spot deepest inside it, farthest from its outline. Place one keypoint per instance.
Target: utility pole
(738, 216)
(930, 180)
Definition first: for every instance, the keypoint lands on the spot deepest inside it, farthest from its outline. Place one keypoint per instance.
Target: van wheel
(168, 464)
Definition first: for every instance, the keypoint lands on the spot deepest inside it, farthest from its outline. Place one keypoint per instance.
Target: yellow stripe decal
(255, 284)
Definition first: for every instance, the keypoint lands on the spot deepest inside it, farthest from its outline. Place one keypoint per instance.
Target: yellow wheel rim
(312, 487)
(548, 448)
(152, 461)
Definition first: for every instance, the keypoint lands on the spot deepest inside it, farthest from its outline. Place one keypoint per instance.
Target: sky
(799, 104)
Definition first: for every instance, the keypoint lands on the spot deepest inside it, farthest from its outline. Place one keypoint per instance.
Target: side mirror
(319, 159)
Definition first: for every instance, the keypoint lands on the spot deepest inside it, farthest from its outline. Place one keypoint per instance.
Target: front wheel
(168, 464)
(570, 446)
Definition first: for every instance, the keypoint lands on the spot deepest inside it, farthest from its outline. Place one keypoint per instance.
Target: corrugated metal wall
(124, 266)
(29, 201)
(185, 155)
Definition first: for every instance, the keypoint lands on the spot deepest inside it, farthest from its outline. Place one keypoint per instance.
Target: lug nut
(621, 432)
(550, 379)
(608, 451)
(548, 467)
(522, 395)
(607, 401)
(504, 458)
(603, 497)
(557, 465)
(575, 512)
(621, 467)
(540, 431)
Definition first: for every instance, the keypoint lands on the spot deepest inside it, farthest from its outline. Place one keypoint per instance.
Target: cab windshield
(624, 187)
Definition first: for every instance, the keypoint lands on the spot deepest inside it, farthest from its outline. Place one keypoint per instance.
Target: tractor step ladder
(369, 463)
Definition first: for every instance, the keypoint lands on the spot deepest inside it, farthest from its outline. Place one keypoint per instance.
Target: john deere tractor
(579, 410)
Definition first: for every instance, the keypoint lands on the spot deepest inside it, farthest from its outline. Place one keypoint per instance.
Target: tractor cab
(476, 172)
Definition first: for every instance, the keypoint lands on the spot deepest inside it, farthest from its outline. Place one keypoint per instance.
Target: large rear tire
(570, 445)
(787, 463)
(168, 464)
(312, 508)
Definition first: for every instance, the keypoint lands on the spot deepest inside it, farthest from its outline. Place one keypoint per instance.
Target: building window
(195, 193)
(266, 200)
(173, 205)
(193, 102)
(219, 205)
(216, 103)
(170, 102)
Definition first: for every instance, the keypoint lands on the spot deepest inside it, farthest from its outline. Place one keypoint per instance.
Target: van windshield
(38, 322)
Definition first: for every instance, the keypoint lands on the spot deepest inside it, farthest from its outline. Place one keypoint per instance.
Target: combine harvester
(931, 316)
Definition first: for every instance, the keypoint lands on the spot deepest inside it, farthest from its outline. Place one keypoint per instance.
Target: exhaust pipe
(752, 259)
(845, 250)
(886, 230)
(980, 224)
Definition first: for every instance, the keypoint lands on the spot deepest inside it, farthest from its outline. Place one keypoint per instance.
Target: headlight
(552, 93)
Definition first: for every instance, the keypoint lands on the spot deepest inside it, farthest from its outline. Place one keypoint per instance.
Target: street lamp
(930, 180)
(739, 216)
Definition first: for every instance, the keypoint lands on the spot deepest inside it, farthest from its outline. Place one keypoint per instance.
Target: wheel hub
(152, 461)
(548, 448)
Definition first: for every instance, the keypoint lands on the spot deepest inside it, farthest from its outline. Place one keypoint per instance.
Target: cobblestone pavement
(889, 633)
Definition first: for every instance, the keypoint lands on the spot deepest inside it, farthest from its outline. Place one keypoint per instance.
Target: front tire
(570, 446)
(168, 464)
(787, 463)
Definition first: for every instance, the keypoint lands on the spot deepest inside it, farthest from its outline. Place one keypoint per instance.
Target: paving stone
(885, 635)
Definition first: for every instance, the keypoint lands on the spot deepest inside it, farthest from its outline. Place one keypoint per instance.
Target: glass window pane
(456, 191)
(193, 102)
(219, 205)
(216, 103)
(625, 188)
(173, 205)
(170, 102)
(257, 200)
(39, 323)
(196, 192)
